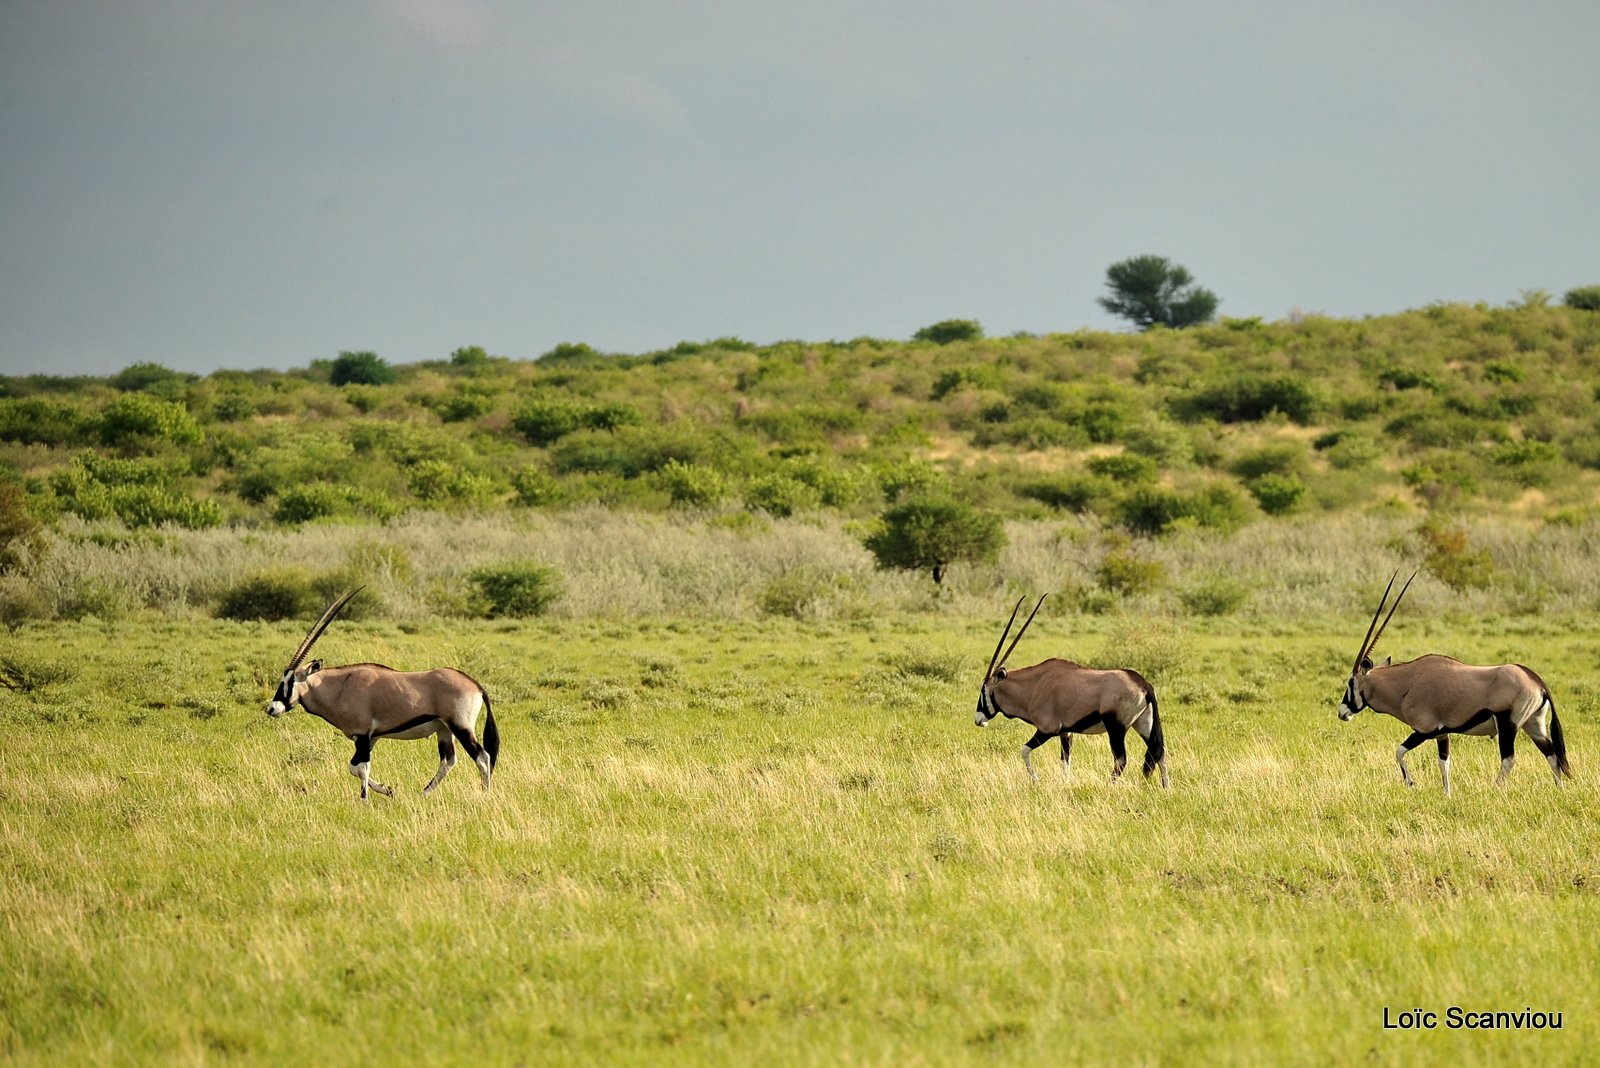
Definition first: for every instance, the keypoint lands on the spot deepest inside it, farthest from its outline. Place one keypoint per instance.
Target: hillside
(1437, 417)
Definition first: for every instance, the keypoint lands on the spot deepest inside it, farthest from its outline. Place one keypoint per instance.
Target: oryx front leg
(1416, 739)
(1066, 754)
(1506, 731)
(447, 759)
(361, 768)
(1038, 739)
(1444, 762)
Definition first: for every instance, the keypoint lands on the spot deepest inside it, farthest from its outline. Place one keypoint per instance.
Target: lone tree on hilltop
(948, 330)
(930, 534)
(1149, 291)
(361, 368)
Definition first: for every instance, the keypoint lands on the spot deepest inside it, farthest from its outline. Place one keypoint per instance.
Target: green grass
(733, 842)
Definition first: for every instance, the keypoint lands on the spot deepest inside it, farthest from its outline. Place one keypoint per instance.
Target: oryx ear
(1366, 663)
(1386, 662)
(999, 672)
(316, 666)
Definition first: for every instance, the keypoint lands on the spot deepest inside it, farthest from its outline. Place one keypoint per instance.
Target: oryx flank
(1437, 696)
(1060, 699)
(369, 701)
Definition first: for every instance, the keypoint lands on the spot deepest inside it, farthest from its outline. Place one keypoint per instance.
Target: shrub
(949, 330)
(534, 487)
(440, 482)
(1247, 397)
(980, 376)
(150, 377)
(1450, 558)
(1126, 467)
(19, 530)
(313, 500)
(360, 368)
(1275, 459)
(546, 421)
(692, 485)
(570, 352)
(463, 405)
(517, 588)
(1151, 509)
(780, 495)
(931, 533)
(1277, 494)
(1584, 298)
(1123, 572)
(150, 506)
(136, 420)
(233, 408)
(1069, 493)
(837, 486)
(269, 596)
(25, 673)
(912, 478)
(469, 356)
(1529, 463)
(39, 421)
(1214, 594)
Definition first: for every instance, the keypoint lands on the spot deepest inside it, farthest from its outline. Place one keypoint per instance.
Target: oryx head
(997, 664)
(1355, 688)
(293, 684)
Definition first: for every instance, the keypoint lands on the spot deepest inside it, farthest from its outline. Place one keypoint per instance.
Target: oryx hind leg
(1538, 728)
(1506, 731)
(1444, 762)
(1066, 754)
(361, 768)
(447, 758)
(1117, 734)
(476, 752)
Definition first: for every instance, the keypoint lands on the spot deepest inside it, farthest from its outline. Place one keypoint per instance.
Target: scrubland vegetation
(742, 814)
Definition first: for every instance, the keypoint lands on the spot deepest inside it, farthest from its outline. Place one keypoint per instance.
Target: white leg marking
(445, 764)
(1405, 772)
(1555, 767)
(1027, 762)
(1444, 772)
(1166, 783)
(362, 772)
(485, 766)
(1505, 768)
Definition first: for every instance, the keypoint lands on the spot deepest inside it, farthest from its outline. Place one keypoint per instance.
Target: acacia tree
(1150, 291)
(930, 534)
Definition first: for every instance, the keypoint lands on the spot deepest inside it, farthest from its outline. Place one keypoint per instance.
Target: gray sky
(208, 184)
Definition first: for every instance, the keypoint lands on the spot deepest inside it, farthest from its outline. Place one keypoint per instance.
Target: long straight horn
(1366, 643)
(321, 625)
(1024, 629)
(1390, 616)
(996, 657)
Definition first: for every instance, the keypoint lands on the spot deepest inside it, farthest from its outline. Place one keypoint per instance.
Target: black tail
(1558, 740)
(491, 733)
(1155, 747)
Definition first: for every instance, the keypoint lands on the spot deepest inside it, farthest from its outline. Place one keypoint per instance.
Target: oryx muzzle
(1437, 696)
(1060, 698)
(367, 702)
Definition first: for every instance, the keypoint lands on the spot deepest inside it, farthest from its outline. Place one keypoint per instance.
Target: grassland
(722, 840)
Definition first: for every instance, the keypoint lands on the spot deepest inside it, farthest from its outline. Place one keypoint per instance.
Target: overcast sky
(208, 184)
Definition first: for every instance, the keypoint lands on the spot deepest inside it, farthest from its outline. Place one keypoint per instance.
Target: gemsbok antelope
(1437, 696)
(1060, 698)
(369, 701)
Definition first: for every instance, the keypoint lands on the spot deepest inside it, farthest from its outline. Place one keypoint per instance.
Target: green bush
(780, 495)
(137, 420)
(1125, 467)
(150, 506)
(1280, 458)
(545, 421)
(949, 330)
(20, 531)
(439, 482)
(517, 588)
(1249, 397)
(1213, 594)
(1068, 493)
(1584, 298)
(40, 421)
(978, 376)
(1277, 494)
(534, 487)
(1449, 557)
(313, 500)
(151, 378)
(692, 485)
(360, 368)
(1156, 509)
(1124, 573)
(270, 596)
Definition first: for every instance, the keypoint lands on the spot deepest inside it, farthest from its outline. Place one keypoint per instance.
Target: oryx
(1437, 696)
(1061, 698)
(369, 701)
